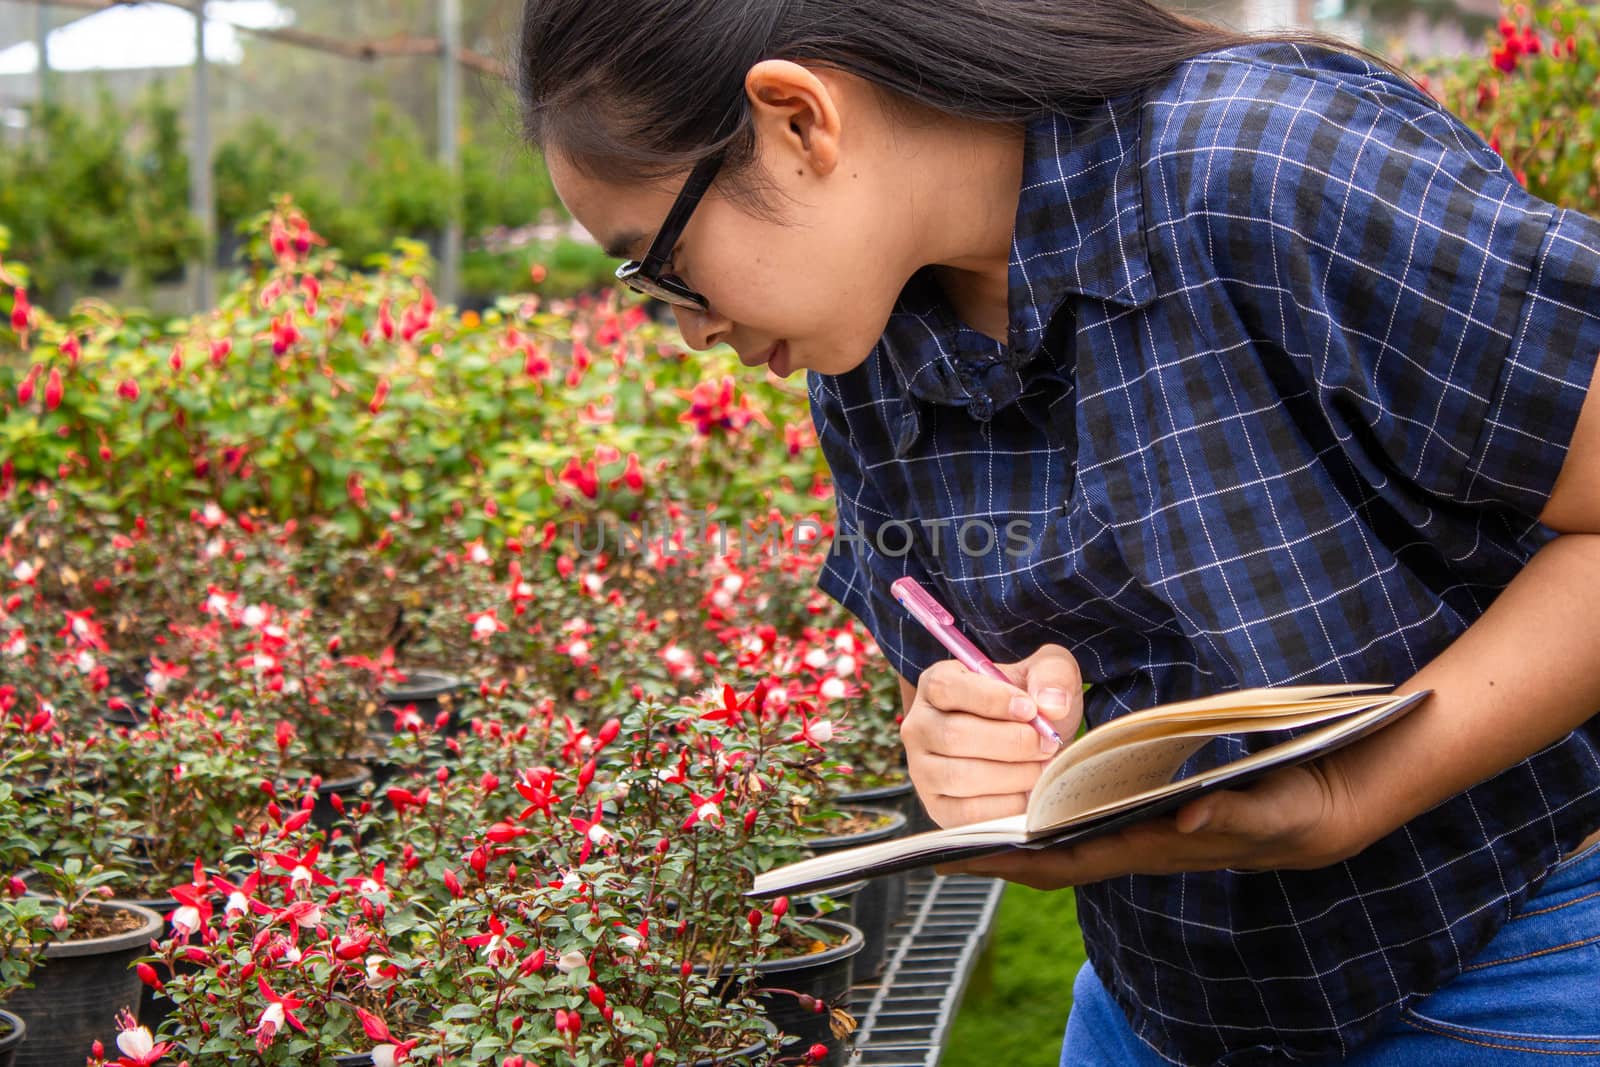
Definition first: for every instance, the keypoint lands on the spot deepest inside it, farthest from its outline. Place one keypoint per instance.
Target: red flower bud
(53, 390)
(597, 996)
(26, 386)
(452, 883)
(128, 389)
(817, 1053)
(780, 907)
(147, 975)
(379, 395)
(20, 311)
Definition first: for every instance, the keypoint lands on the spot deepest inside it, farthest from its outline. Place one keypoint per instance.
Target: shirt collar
(1079, 230)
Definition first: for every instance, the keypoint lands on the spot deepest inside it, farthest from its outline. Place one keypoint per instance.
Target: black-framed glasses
(647, 275)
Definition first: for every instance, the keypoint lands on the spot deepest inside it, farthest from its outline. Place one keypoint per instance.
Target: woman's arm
(1520, 678)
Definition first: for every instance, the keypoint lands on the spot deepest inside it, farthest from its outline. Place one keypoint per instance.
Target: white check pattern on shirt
(1292, 366)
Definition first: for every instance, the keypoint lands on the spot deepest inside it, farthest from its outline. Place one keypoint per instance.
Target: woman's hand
(1297, 818)
(969, 745)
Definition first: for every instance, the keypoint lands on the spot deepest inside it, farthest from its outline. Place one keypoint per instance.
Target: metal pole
(42, 38)
(201, 204)
(449, 96)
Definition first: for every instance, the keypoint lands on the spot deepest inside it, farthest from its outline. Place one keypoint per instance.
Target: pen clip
(919, 601)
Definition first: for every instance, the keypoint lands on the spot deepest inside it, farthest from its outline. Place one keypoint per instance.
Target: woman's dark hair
(641, 89)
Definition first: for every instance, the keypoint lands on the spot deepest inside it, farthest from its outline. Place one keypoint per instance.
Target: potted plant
(87, 966)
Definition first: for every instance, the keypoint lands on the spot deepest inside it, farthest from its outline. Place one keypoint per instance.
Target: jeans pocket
(1532, 989)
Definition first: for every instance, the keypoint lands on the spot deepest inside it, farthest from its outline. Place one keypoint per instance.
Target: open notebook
(1122, 771)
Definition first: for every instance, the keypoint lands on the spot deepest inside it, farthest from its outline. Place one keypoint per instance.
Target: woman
(1174, 361)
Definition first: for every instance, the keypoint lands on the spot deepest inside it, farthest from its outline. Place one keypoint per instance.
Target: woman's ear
(796, 113)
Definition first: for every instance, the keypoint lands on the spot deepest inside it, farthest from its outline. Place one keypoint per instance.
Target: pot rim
(896, 823)
(19, 1030)
(872, 794)
(422, 684)
(104, 946)
(854, 943)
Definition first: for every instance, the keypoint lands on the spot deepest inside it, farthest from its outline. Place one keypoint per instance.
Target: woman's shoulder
(1233, 123)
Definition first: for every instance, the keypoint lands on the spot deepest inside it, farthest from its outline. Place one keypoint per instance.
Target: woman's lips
(777, 356)
(778, 361)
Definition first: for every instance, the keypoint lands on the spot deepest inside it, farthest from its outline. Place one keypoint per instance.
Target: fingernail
(1022, 707)
(1047, 746)
(1054, 698)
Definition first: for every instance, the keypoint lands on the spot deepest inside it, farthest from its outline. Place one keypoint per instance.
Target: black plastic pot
(12, 1031)
(823, 975)
(878, 905)
(77, 993)
(902, 796)
(846, 901)
(428, 692)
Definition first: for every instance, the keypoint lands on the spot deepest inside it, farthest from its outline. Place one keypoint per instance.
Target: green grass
(1017, 1000)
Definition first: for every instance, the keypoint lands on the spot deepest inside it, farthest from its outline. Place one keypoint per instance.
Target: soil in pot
(12, 1032)
(83, 983)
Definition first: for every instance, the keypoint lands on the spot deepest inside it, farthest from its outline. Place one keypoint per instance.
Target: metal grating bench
(903, 1017)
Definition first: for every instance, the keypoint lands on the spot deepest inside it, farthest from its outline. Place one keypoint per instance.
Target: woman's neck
(964, 185)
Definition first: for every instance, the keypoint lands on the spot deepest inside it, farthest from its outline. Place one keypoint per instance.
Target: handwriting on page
(1122, 772)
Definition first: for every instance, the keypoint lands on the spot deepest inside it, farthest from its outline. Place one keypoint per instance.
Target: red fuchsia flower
(220, 350)
(162, 674)
(53, 390)
(814, 732)
(70, 349)
(535, 788)
(194, 911)
(373, 887)
(706, 808)
(241, 899)
(128, 389)
(284, 334)
(302, 869)
(582, 477)
(138, 1047)
(485, 624)
(496, 944)
(595, 835)
(452, 883)
(718, 406)
(278, 1011)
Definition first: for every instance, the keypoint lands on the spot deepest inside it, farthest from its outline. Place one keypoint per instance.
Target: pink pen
(942, 625)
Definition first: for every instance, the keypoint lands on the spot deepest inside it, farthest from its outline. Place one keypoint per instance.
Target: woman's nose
(701, 329)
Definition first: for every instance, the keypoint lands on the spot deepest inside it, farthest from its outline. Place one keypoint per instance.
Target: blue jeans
(1532, 996)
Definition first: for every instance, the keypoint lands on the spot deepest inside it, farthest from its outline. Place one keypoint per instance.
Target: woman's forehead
(621, 216)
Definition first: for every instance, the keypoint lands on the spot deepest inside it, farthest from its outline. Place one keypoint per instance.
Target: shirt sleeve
(1446, 321)
(871, 546)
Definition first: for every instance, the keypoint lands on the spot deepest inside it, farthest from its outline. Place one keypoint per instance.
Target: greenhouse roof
(146, 36)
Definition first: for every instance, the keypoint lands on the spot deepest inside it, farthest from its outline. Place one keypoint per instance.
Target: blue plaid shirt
(1292, 364)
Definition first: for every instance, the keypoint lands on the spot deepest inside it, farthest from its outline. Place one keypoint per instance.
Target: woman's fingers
(960, 811)
(963, 778)
(949, 686)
